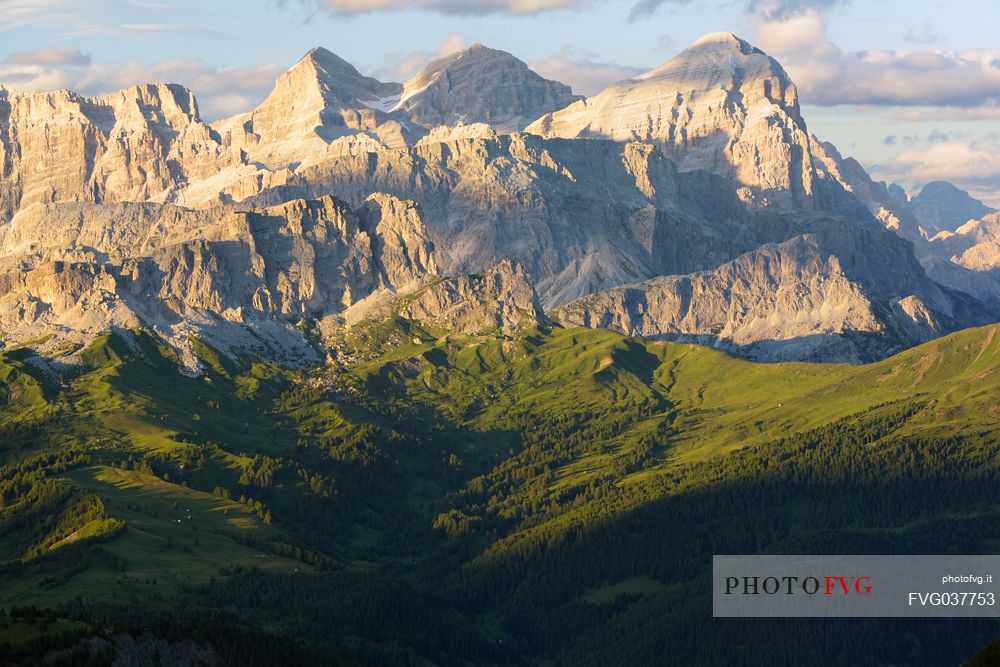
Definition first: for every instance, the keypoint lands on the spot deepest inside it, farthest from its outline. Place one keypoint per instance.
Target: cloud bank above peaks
(827, 75)
(766, 9)
(771, 9)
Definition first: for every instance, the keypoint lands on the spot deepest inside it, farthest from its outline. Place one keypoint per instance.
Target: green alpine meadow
(555, 493)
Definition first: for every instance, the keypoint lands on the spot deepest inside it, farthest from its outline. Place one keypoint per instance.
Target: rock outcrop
(974, 245)
(499, 299)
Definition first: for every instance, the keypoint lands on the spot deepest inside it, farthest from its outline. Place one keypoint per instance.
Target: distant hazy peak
(942, 206)
(944, 188)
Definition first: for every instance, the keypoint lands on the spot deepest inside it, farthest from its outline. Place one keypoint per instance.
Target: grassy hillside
(551, 495)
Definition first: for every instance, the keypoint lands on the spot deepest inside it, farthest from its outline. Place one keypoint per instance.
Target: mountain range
(469, 370)
(689, 203)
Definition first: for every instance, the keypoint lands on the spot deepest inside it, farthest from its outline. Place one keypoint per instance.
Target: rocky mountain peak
(719, 53)
(319, 99)
(155, 104)
(721, 105)
(335, 78)
(722, 40)
(481, 85)
(500, 298)
(723, 59)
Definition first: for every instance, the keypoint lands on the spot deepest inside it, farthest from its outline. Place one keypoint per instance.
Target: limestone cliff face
(808, 297)
(74, 298)
(133, 145)
(85, 268)
(400, 245)
(481, 85)
(501, 298)
(578, 215)
(291, 260)
(849, 190)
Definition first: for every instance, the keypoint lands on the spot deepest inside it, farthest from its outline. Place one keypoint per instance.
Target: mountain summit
(336, 80)
(481, 85)
(721, 105)
(305, 110)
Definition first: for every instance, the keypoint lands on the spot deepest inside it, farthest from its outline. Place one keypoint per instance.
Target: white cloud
(96, 16)
(826, 75)
(67, 55)
(766, 9)
(581, 71)
(17, 13)
(453, 43)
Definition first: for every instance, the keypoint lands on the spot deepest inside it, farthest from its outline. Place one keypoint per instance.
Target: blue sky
(912, 89)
